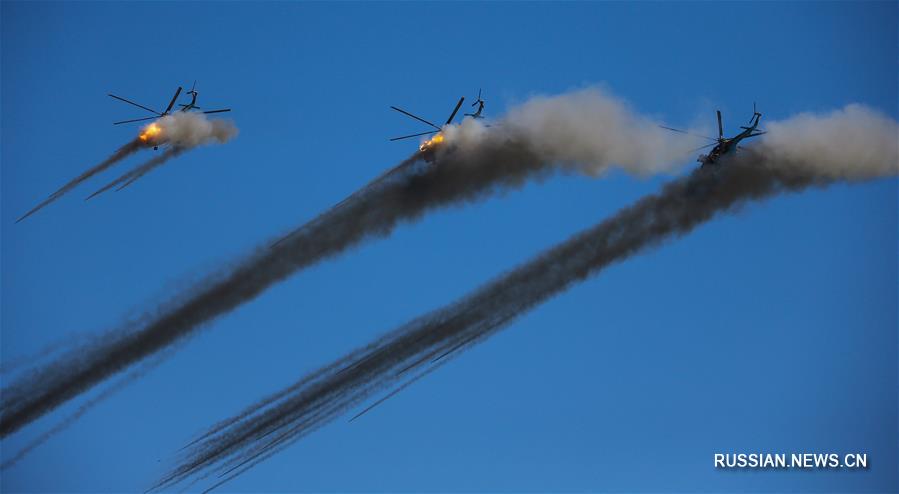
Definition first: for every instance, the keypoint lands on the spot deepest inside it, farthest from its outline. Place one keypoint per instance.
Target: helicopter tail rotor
(479, 98)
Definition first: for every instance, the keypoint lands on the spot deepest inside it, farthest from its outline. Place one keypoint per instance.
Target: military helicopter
(724, 145)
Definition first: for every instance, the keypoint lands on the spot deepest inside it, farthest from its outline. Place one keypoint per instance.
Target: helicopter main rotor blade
(135, 120)
(414, 135)
(720, 127)
(172, 103)
(133, 103)
(404, 112)
(688, 133)
(453, 114)
(217, 111)
(702, 147)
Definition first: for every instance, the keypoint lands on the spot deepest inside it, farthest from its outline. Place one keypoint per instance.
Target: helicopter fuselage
(729, 145)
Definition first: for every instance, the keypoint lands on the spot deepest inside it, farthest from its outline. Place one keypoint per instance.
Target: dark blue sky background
(771, 330)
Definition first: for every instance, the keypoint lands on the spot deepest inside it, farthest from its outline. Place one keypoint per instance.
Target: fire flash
(432, 142)
(151, 133)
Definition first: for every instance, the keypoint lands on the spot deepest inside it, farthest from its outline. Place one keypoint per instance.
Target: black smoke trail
(138, 172)
(405, 193)
(23, 362)
(81, 410)
(681, 206)
(119, 155)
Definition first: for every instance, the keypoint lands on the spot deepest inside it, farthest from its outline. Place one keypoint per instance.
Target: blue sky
(773, 330)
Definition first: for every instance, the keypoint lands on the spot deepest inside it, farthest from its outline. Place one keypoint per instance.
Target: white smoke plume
(589, 130)
(853, 143)
(592, 131)
(189, 130)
